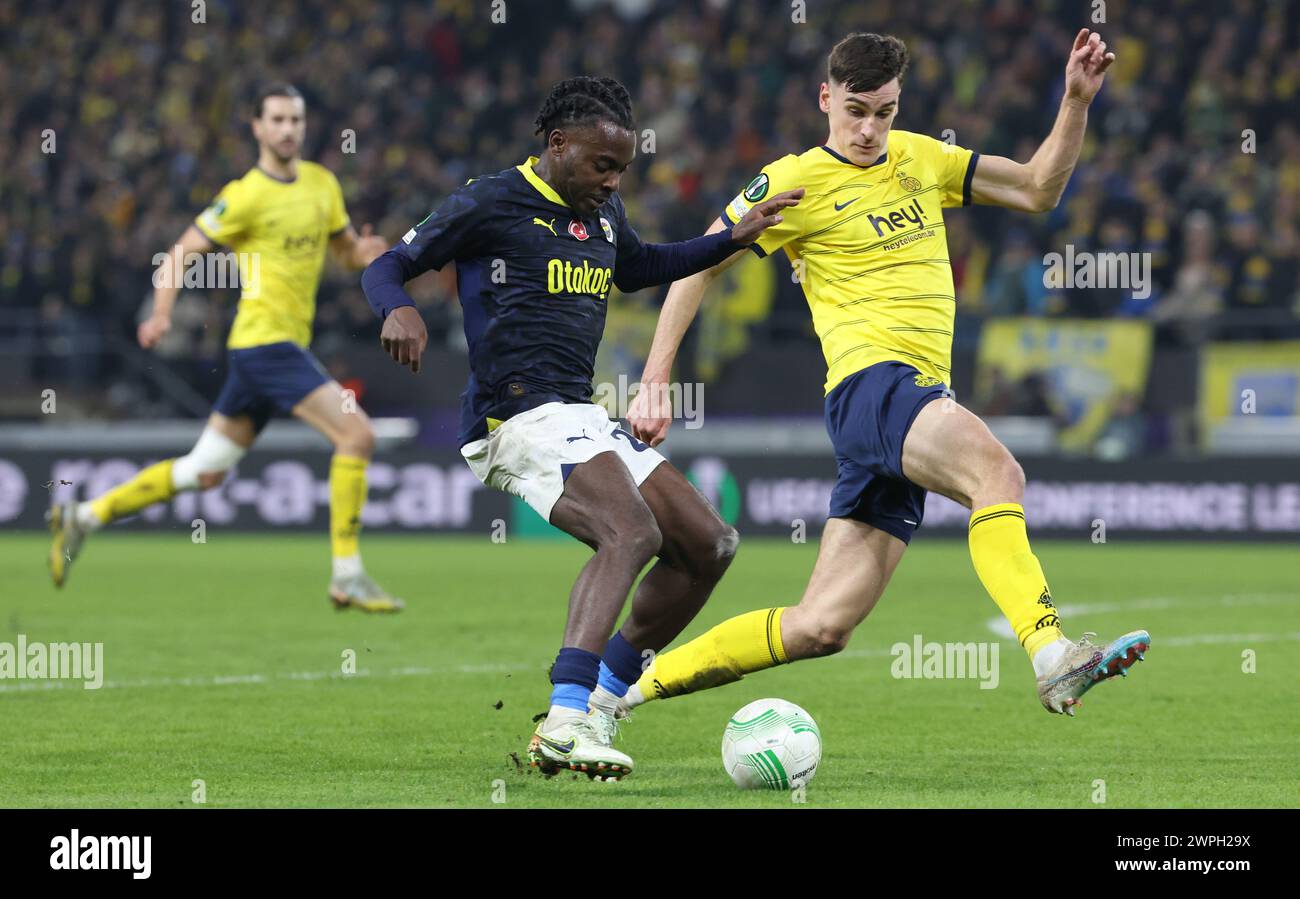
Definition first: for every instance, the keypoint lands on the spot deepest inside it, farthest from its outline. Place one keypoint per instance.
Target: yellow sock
(738, 646)
(347, 496)
(151, 485)
(1009, 570)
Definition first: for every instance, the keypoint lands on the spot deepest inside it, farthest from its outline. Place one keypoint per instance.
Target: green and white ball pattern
(771, 744)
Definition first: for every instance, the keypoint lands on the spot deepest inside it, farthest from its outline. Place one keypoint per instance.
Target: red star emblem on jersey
(578, 229)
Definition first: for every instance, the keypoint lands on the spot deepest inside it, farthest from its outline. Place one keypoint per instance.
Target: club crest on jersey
(607, 228)
(578, 229)
(757, 189)
(908, 182)
(926, 381)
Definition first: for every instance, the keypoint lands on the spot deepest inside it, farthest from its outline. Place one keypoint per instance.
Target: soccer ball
(771, 744)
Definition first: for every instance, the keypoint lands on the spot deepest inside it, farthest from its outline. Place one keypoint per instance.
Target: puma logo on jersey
(549, 226)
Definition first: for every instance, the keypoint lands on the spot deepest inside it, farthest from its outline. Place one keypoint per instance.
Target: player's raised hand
(152, 330)
(369, 247)
(764, 216)
(404, 337)
(651, 412)
(1086, 68)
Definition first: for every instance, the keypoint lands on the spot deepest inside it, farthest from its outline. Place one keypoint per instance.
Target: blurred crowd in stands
(123, 119)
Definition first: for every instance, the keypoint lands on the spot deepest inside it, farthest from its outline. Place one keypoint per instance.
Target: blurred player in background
(279, 217)
(870, 248)
(537, 249)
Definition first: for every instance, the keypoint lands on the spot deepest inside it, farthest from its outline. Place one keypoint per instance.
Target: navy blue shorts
(867, 416)
(262, 380)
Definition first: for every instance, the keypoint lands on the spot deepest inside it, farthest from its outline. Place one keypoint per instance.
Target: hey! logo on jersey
(296, 242)
(911, 214)
(562, 276)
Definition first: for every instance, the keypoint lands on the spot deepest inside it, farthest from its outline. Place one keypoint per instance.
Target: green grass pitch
(223, 664)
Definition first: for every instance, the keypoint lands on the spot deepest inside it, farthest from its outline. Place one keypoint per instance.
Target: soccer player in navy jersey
(538, 248)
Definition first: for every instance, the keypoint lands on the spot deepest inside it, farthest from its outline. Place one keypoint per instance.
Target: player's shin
(739, 646)
(1012, 575)
(347, 496)
(153, 484)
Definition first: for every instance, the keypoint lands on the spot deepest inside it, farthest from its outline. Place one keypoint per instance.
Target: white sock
(347, 566)
(604, 700)
(1048, 657)
(561, 714)
(86, 518)
(633, 697)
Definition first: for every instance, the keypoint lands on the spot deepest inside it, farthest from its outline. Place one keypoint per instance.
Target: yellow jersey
(281, 230)
(868, 245)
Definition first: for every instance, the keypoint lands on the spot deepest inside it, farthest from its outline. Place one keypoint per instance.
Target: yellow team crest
(908, 182)
(926, 381)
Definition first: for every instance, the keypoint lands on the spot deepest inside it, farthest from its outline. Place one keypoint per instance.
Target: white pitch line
(227, 680)
(998, 626)
(1158, 643)
(1002, 628)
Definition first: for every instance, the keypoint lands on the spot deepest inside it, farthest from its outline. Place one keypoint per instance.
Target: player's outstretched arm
(166, 285)
(1036, 186)
(647, 264)
(356, 251)
(651, 411)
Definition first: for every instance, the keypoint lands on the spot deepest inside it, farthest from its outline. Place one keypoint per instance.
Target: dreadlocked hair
(585, 100)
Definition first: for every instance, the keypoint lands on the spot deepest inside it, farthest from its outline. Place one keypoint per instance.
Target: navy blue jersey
(533, 280)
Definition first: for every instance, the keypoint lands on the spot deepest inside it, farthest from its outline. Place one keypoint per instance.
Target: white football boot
(1085, 665)
(575, 745)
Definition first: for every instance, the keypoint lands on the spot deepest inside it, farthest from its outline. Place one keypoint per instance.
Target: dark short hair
(863, 62)
(278, 89)
(585, 100)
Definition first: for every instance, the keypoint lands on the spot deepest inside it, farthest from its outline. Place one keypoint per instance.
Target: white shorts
(531, 454)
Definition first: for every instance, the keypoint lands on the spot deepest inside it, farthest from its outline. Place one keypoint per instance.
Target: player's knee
(358, 440)
(825, 637)
(641, 539)
(712, 554)
(206, 465)
(1010, 477)
(830, 640)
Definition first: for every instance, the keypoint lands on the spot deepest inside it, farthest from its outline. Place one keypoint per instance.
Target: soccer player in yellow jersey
(869, 247)
(279, 217)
